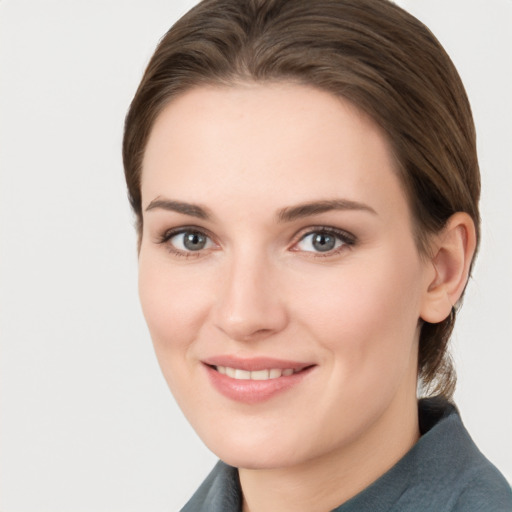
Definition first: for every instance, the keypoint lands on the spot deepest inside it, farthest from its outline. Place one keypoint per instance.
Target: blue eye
(323, 241)
(189, 241)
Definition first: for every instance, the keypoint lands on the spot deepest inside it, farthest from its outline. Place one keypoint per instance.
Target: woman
(305, 181)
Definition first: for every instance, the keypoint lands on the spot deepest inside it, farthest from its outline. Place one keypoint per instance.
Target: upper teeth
(236, 373)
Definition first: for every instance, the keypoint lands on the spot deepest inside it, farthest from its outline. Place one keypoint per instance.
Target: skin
(260, 287)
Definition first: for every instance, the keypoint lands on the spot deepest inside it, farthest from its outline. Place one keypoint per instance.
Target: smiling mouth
(258, 380)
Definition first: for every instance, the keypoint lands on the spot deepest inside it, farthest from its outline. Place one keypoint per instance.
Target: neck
(326, 482)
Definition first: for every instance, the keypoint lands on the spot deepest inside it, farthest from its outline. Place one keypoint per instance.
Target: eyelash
(346, 239)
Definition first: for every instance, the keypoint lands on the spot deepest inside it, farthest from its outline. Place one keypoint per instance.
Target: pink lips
(251, 390)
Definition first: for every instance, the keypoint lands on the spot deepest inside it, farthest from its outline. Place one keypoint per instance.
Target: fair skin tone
(277, 235)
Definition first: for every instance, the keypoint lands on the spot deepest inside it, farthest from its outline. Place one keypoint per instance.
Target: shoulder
(443, 472)
(460, 476)
(485, 491)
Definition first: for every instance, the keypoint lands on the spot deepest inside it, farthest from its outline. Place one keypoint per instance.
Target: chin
(253, 451)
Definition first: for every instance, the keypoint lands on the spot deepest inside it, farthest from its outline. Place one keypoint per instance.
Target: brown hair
(370, 52)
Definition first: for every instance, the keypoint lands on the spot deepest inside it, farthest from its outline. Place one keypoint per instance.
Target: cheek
(364, 312)
(175, 307)
(173, 303)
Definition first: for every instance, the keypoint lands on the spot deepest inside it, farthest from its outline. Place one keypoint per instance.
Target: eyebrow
(287, 214)
(292, 213)
(170, 205)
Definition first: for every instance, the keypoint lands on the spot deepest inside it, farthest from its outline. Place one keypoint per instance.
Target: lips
(254, 380)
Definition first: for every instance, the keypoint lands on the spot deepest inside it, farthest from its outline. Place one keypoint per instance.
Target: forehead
(287, 141)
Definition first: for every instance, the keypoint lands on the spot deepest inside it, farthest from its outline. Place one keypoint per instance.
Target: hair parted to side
(369, 52)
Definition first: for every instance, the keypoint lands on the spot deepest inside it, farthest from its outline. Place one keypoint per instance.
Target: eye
(324, 241)
(187, 241)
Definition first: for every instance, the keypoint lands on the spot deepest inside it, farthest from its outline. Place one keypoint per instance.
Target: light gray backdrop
(87, 423)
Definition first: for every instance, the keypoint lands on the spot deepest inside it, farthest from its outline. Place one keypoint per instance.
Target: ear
(452, 252)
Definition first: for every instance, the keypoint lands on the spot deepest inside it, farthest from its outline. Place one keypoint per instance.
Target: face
(278, 272)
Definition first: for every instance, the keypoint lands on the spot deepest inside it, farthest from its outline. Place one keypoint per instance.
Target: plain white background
(87, 423)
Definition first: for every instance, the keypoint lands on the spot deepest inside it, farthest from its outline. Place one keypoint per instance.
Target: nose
(250, 305)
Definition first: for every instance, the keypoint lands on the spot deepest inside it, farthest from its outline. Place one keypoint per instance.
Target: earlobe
(452, 253)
